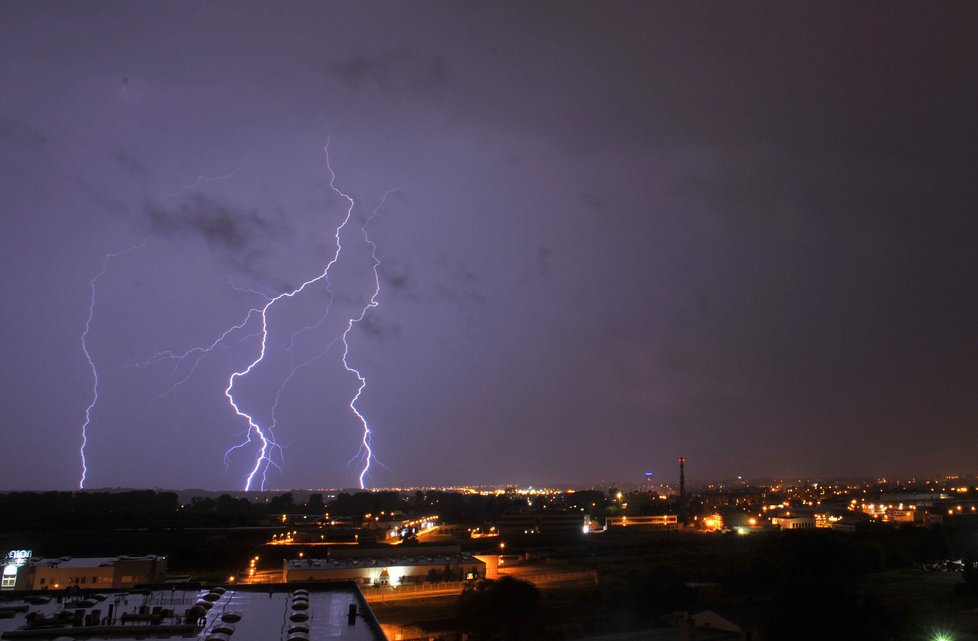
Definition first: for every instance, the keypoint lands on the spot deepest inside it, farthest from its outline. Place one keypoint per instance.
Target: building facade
(386, 571)
(83, 572)
(657, 522)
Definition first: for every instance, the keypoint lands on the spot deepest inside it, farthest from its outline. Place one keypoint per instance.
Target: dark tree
(281, 504)
(316, 504)
(508, 606)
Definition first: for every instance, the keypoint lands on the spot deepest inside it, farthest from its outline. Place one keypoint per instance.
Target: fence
(410, 588)
(558, 577)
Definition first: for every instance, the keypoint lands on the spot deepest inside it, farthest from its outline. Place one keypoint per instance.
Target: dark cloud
(397, 277)
(717, 229)
(241, 236)
(377, 328)
(453, 283)
(394, 70)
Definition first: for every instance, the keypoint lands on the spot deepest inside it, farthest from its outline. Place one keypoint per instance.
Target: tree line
(149, 508)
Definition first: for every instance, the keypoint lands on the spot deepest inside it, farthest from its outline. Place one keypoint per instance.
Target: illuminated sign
(18, 558)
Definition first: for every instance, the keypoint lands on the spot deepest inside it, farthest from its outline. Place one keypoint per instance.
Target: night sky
(745, 233)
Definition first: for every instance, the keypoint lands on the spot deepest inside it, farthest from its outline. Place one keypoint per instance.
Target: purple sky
(744, 233)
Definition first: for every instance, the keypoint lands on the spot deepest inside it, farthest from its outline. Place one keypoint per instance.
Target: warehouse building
(24, 572)
(386, 571)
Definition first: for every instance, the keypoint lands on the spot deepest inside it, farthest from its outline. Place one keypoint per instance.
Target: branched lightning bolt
(91, 361)
(203, 180)
(366, 452)
(264, 436)
(200, 353)
(296, 366)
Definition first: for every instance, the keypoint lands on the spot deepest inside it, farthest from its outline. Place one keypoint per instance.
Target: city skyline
(601, 236)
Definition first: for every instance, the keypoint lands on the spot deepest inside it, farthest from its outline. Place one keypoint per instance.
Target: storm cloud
(239, 235)
(628, 231)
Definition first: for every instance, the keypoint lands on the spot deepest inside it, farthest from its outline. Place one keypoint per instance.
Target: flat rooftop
(90, 561)
(438, 560)
(254, 614)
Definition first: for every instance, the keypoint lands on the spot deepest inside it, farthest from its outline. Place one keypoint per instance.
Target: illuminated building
(901, 515)
(386, 571)
(660, 522)
(16, 570)
(99, 572)
(794, 522)
(744, 498)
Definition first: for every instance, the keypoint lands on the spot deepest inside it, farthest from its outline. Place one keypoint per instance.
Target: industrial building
(668, 522)
(386, 571)
(23, 572)
(794, 522)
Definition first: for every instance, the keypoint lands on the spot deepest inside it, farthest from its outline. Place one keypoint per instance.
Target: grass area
(413, 610)
(929, 590)
(929, 597)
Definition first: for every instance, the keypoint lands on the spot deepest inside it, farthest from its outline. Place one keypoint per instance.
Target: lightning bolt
(366, 452)
(265, 436)
(254, 430)
(200, 353)
(257, 434)
(203, 180)
(91, 361)
(296, 366)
